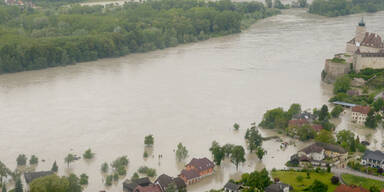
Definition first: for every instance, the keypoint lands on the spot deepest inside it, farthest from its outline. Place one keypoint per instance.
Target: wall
(335, 70)
(361, 62)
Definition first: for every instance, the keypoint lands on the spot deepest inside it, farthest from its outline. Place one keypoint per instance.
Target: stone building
(365, 50)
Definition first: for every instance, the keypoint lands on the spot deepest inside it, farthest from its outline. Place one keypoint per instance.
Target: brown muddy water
(191, 94)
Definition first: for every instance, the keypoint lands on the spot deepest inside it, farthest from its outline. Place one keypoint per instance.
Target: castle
(365, 50)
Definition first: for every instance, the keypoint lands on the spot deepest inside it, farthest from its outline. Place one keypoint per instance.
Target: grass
(289, 177)
(364, 182)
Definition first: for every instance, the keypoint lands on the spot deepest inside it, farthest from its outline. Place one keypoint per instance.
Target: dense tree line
(40, 38)
(333, 8)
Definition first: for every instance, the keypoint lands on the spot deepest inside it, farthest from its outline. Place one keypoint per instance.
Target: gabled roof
(232, 186)
(132, 185)
(372, 40)
(277, 187)
(361, 109)
(201, 164)
(314, 148)
(149, 188)
(164, 180)
(143, 181)
(373, 155)
(189, 174)
(29, 177)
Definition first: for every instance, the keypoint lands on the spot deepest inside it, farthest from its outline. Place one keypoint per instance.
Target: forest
(36, 38)
(333, 8)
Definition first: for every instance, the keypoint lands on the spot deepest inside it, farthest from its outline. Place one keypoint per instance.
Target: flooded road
(192, 94)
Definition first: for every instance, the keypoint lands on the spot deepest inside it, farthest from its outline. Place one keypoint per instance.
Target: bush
(104, 167)
(108, 180)
(83, 179)
(147, 171)
(335, 180)
(88, 154)
(299, 178)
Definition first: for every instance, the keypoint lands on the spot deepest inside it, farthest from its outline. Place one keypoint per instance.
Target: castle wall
(365, 49)
(351, 48)
(361, 62)
(335, 70)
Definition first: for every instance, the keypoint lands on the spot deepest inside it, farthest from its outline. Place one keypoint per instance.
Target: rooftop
(189, 174)
(232, 186)
(278, 187)
(374, 155)
(361, 109)
(201, 164)
(344, 104)
(29, 177)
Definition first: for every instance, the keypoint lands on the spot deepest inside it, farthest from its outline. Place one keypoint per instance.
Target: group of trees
(39, 38)
(255, 181)
(334, 8)
(119, 168)
(236, 153)
(72, 183)
(347, 140)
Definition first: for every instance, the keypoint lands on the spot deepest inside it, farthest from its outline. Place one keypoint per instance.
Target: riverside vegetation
(333, 8)
(48, 37)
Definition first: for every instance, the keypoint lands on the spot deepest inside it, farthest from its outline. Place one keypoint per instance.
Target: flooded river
(192, 94)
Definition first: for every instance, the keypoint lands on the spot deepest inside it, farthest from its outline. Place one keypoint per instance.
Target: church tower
(360, 32)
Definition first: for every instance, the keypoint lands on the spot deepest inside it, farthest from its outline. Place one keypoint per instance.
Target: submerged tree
(237, 155)
(69, 159)
(148, 140)
(181, 152)
(54, 168)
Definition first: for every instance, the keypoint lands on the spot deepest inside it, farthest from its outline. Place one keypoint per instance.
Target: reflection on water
(191, 94)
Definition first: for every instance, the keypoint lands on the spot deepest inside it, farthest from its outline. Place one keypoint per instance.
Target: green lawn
(289, 177)
(364, 182)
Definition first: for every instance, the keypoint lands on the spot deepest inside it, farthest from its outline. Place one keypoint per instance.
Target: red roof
(189, 174)
(361, 109)
(201, 164)
(297, 122)
(346, 188)
(317, 127)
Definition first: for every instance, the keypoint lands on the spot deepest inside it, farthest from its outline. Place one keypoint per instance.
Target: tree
(342, 85)
(69, 159)
(21, 160)
(323, 115)
(18, 185)
(54, 168)
(306, 132)
(294, 109)
(50, 183)
(237, 155)
(181, 152)
(347, 140)
(135, 176)
(104, 167)
(374, 189)
(149, 140)
(325, 136)
(268, 3)
(74, 183)
(108, 180)
(34, 160)
(335, 180)
(253, 138)
(303, 3)
(83, 179)
(88, 154)
(217, 153)
(336, 111)
(260, 152)
(378, 104)
(318, 186)
(275, 118)
(371, 120)
(256, 181)
(299, 178)
(227, 149)
(236, 126)
(171, 187)
(3, 188)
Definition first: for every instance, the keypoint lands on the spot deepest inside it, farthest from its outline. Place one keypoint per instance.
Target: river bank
(195, 90)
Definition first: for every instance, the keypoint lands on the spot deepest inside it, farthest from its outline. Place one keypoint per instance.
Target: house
(138, 185)
(297, 122)
(373, 159)
(305, 115)
(346, 188)
(231, 187)
(196, 170)
(312, 152)
(30, 176)
(149, 188)
(317, 152)
(360, 113)
(317, 127)
(344, 104)
(353, 92)
(278, 187)
(164, 181)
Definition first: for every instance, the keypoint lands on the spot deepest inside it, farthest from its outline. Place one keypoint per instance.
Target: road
(339, 171)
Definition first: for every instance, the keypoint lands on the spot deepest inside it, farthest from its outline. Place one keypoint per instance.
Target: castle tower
(360, 32)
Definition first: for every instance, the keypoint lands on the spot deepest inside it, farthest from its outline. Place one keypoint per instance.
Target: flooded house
(360, 114)
(164, 181)
(197, 169)
(316, 154)
(140, 185)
